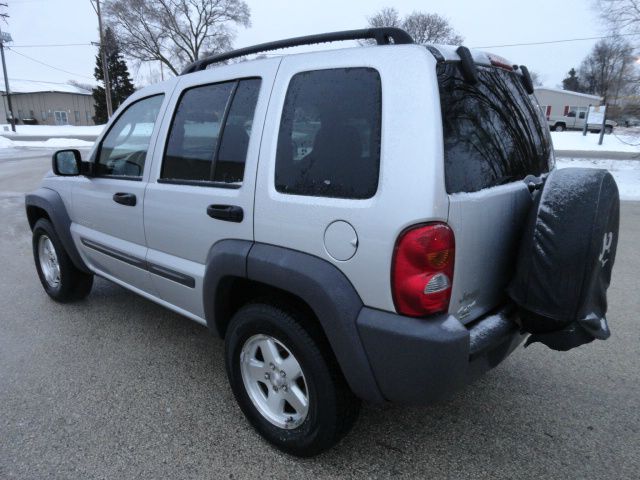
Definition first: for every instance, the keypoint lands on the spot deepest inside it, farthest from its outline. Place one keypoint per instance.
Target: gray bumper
(417, 361)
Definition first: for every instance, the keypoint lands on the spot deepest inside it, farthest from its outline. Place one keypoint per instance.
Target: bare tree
(621, 15)
(84, 86)
(431, 28)
(423, 27)
(175, 32)
(609, 69)
(387, 17)
(536, 78)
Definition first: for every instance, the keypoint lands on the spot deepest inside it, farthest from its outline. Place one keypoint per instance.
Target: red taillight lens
(422, 270)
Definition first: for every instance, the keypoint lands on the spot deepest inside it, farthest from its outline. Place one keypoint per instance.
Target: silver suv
(347, 220)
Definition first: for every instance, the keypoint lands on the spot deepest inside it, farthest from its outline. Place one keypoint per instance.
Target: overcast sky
(481, 22)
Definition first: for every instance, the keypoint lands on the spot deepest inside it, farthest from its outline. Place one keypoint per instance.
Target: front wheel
(59, 276)
(286, 382)
(608, 130)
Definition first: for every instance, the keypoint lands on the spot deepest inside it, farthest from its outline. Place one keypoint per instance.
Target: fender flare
(51, 202)
(317, 282)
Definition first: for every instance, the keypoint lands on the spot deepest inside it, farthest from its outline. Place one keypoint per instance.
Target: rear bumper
(417, 361)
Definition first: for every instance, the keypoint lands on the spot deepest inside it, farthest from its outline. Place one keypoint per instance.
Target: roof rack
(382, 36)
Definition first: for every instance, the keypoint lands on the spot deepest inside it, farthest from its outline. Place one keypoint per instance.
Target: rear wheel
(59, 276)
(560, 128)
(608, 129)
(286, 382)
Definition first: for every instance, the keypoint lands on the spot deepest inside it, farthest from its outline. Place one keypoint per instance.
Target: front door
(202, 186)
(107, 208)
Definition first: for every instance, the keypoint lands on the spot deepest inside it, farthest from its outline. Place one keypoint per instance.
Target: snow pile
(51, 143)
(52, 130)
(625, 172)
(622, 140)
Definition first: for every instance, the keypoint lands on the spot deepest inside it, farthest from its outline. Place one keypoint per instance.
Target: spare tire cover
(566, 256)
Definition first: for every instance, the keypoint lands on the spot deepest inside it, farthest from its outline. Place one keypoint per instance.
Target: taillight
(422, 270)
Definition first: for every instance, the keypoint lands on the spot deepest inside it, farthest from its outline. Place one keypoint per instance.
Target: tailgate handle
(534, 183)
(228, 213)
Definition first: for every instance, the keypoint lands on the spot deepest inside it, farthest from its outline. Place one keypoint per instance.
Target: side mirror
(67, 163)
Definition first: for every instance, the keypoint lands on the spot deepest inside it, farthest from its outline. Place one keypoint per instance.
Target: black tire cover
(566, 257)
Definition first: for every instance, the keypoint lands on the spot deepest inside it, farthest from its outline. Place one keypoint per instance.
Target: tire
(60, 278)
(560, 128)
(608, 130)
(331, 406)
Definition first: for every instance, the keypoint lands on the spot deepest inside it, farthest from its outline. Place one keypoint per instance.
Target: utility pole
(5, 37)
(105, 65)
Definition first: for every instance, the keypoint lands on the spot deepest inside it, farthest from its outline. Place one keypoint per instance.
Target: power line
(560, 41)
(47, 65)
(53, 45)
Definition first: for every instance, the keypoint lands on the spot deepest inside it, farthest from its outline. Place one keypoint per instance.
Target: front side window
(329, 139)
(124, 149)
(210, 132)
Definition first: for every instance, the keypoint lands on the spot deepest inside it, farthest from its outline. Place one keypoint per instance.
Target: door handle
(128, 199)
(228, 213)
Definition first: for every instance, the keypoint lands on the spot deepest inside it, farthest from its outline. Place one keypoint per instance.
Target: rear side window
(210, 132)
(493, 131)
(329, 139)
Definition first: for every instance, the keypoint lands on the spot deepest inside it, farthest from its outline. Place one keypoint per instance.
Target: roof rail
(383, 36)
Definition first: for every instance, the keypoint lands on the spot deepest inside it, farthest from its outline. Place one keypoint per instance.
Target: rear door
(494, 136)
(201, 189)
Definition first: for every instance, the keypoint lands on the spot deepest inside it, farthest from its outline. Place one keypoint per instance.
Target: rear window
(493, 132)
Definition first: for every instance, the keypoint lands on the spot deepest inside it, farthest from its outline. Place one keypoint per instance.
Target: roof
(32, 86)
(569, 92)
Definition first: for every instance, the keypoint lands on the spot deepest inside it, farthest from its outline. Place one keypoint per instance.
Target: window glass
(229, 166)
(193, 138)
(493, 132)
(124, 150)
(329, 139)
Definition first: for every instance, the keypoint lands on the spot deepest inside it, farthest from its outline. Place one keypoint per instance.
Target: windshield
(494, 133)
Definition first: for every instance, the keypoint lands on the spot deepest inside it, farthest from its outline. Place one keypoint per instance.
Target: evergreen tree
(121, 84)
(571, 83)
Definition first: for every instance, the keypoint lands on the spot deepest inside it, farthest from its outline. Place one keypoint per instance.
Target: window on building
(329, 139)
(201, 146)
(124, 149)
(87, 117)
(61, 117)
(76, 115)
(43, 115)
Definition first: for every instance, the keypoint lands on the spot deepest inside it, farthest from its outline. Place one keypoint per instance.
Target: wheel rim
(48, 261)
(274, 380)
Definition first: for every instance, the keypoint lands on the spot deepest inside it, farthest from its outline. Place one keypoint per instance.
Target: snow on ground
(621, 140)
(52, 130)
(50, 143)
(625, 172)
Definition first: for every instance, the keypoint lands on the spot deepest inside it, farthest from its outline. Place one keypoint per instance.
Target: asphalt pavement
(117, 387)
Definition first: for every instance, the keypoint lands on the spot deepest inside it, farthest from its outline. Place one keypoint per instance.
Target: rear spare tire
(566, 257)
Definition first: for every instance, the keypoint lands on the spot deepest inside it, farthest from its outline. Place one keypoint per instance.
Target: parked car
(575, 121)
(347, 220)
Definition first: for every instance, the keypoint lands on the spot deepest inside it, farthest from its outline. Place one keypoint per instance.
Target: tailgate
(487, 226)
(494, 136)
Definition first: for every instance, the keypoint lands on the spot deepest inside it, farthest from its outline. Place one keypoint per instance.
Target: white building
(46, 103)
(556, 102)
